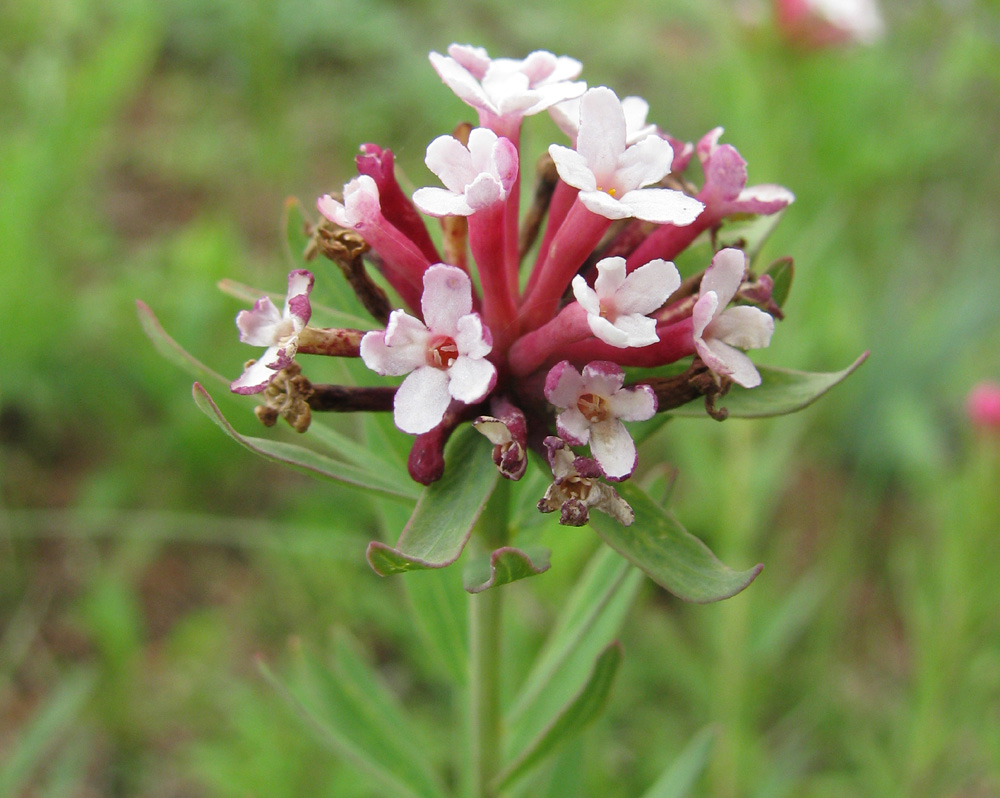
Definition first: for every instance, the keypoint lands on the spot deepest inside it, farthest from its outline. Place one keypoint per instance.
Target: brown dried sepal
(287, 396)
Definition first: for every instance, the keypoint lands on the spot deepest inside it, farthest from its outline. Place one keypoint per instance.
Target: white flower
(475, 177)
(444, 357)
(592, 405)
(611, 174)
(508, 89)
(617, 305)
(567, 116)
(279, 332)
(718, 330)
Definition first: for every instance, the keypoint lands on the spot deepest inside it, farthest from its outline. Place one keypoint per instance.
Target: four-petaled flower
(717, 330)
(279, 332)
(444, 355)
(612, 175)
(593, 406)
(617, 304)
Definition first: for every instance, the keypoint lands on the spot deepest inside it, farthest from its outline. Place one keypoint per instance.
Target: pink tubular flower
(444, 356)
(617, 305)
(279, 332)
(504, 90)
(718, 330)
(983, 406)
(476, 177)
(593, 406)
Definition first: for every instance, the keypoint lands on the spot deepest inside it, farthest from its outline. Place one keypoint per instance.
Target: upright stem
(485, 616)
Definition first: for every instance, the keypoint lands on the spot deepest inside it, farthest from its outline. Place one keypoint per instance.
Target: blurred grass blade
(35, 743)
(503, 566)
(440, 611)
(373, 458)
(445, 513)
(305, 459)
(328, 713)
(678, 779)
(781, 391)
(172, 350)
(590, 620)
(573, 719)
(669, 554)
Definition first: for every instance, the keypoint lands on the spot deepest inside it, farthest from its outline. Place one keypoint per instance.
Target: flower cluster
(531, 337)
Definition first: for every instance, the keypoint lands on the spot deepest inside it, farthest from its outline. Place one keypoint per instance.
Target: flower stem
(485, 616)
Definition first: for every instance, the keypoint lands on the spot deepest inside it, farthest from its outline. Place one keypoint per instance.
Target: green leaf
(440, 612)
(35, 742)
(678, 779)
(504, 565)
(781, 271)
(446, 511)
(573, 719)
(590, 619)
(748, 231)
(781, 391)
(343, 722)
(666, 552)
(172, 350)
(377, 460)
(306, 460)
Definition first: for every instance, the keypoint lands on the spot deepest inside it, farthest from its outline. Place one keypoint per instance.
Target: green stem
(485, 616)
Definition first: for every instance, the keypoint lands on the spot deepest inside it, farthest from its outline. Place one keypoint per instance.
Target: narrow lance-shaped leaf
(446, 511)
(502, 566)
(666, 552)
(304, 459)
(678, 779)
(781, 391)
(575, 717)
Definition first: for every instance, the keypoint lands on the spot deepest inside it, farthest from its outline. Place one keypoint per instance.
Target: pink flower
(593, 405)
(612, 174)
(983, 405)
(279, 332)
(475, 177)
(444, 355)
(725, 191)
(718, 330)
(819, 23)
(504, 90)
(617, 306)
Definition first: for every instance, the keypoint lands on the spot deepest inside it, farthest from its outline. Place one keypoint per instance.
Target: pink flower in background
(821, 23)
(279, 332)
(983, 405)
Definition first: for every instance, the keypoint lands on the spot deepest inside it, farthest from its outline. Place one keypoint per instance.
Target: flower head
(444, 355)
(593, 406)
(263, 325)
(718, 330)
(576, 488)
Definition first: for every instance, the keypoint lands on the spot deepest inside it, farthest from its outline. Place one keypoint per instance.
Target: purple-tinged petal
(563, 384)
(763, 199)
(422, 400)
(573, 426)
(637, 403)
(257, 376)
(261, 325)
(703, 312)
(725, 174)
(603, 377)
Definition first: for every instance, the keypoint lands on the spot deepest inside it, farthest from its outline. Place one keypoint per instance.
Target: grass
(145, 560)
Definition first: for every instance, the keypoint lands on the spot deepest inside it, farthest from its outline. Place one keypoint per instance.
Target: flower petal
(724, 275)
(259, 326)
(661, 205)
(601, 139)
(734, 364)
(259, 374)
(648, 287)
(743, 326)
(613, 448)
(422, 400)
(470, 379)
(563, 384)
(637, 403)
(447, 297)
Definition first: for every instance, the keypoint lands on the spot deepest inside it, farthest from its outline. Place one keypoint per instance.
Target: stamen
(594, 408)
(442, 352)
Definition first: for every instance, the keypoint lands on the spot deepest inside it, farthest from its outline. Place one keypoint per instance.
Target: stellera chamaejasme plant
(565, 331)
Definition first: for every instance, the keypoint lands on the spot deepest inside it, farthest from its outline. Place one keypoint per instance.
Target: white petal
(662, 205)
(605, 205)
(586, 296)
(447, 297)
(601, 139)
(470, 379)
(724, 275)
(613, 334)
(634, 404)
(259, 375)
(421, 401)
(610, 277)
(743, 326)
(637, 329)
(737, 366)
(471, 337)
(648, 287)
(644, 163)
(573, 426)
(602, 377)
(703, 312)
(450, 161)
(483, 192)
(563, 385)
(460, 81)
(613, 448)
(441, 202)
(260, 325)
(397, 358)
(572, 168)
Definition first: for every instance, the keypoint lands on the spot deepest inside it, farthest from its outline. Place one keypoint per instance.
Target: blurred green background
(146, 150)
